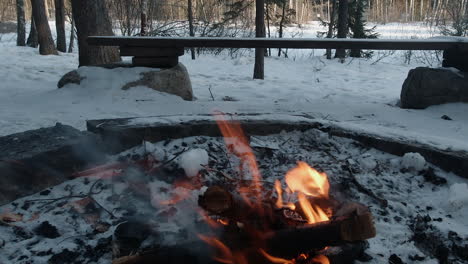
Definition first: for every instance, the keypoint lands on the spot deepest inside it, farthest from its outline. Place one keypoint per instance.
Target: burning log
(351, 222)
(354, 226)
(217, 200)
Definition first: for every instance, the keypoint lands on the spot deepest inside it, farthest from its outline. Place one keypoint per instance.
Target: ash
(419, 210)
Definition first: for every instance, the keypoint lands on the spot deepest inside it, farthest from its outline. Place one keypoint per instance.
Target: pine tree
(357, 25)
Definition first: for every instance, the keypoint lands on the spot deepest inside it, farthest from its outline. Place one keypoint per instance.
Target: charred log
(344, 229)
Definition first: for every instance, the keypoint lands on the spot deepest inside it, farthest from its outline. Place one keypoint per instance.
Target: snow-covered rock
(122, 76)
(426, 86)
(458, 195)
(413, 161)
(173, 80)
(193, 160)
(368, 162)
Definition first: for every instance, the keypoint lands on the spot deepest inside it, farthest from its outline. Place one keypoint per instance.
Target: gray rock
(7, 27)
(70, 77)
(33, 160)
(427, 86)
(174, 80)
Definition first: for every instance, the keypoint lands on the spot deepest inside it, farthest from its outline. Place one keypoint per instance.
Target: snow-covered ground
(360, 94)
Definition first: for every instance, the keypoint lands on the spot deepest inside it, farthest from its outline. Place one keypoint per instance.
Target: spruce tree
(357, 25)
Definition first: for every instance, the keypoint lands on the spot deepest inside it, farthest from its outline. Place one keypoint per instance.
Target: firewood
(237, 209)
(355, 226)
(217, 200)
(135, 259)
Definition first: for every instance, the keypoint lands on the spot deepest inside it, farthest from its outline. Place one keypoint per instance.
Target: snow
(458, 196)
(360, 94)
(193, 161)
(413, 161)
(407, 192)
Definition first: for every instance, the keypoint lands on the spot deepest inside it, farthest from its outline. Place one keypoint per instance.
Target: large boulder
(70, 77)
(173, 80)
(427, 86)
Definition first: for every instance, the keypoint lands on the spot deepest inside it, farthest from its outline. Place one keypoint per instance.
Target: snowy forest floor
(360, 94)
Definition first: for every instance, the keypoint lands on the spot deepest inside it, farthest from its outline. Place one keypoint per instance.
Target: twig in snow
(361, 188)
(284, 142)
(173, 158)
(89, 195)
(217, 171)
(209, 89)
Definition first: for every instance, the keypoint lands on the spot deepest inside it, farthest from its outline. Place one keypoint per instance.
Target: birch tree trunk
(21, 23)
(46, 42)
(60, 25)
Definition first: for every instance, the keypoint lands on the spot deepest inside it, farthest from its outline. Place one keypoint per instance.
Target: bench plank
(155, 62)
(297, 43)
(151, 52)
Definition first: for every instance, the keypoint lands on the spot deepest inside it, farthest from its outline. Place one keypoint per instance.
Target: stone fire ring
(120, 134)
(35, 160)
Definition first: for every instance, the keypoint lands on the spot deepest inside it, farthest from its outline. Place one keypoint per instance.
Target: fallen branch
(89, 195)
(361, 188)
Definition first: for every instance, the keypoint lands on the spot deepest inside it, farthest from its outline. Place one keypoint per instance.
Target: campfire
(296, 223)
(291, 198)
(251, 220)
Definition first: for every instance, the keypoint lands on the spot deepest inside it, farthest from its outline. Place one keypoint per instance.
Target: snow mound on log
(458, 195)
(413, 161)
(193, 161)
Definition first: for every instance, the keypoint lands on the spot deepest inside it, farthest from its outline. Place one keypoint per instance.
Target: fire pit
(291, 197)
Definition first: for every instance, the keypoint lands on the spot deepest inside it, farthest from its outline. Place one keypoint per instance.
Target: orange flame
(224, 253)
(275, 260)
(307, 180)
(237, 144)
(313, 213)
(321, 259)
(279, 191)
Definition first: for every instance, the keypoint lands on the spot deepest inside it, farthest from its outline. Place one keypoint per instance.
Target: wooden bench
(163, 52)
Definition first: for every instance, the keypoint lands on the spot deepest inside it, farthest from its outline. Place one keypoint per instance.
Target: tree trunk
(60, 25)
(46, 42)
(72, 36)
(190, 19)
(128, 5)
(268, 25)
(342, 26)
(331, 25)
(21, 20)
(32, 38)
(280, 31)
(144, 18)
(259, 68)
(46, 9)
(92, 19)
